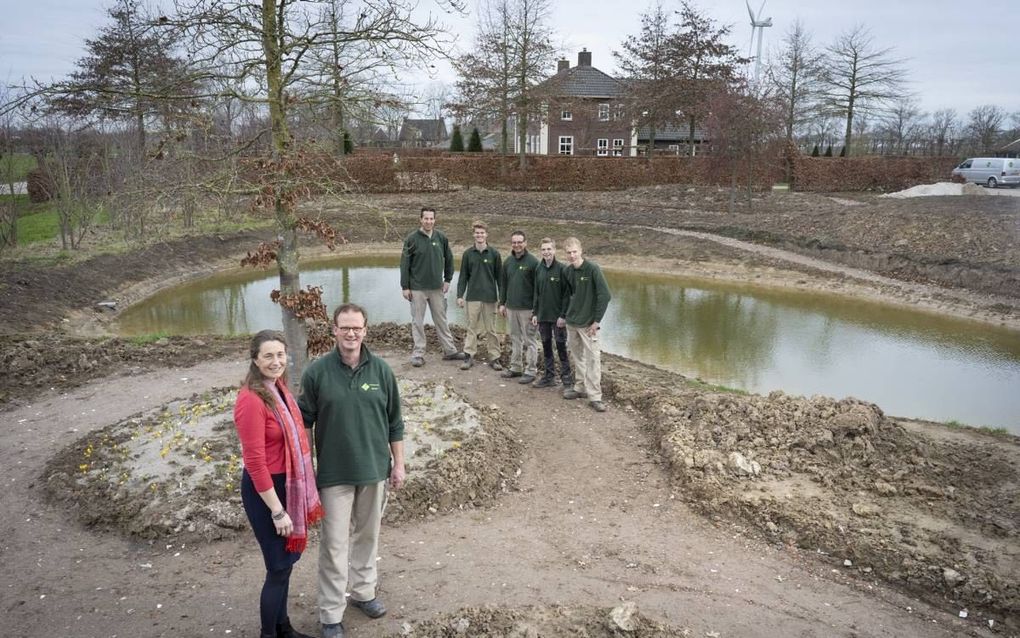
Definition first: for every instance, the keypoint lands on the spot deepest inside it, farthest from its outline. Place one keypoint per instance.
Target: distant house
(1010, 150)
(584, 113)
(422, 133)
(671, 139)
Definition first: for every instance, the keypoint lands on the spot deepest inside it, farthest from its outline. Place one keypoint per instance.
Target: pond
(911, 364)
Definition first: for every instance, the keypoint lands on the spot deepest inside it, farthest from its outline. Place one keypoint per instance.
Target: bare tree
(265, 48)
(793, 75)
(533, 53)
(942, 130)
(902, 125)
(702, 64)
(858, 78)
(983, 126)
(644, 60)
(129, 74)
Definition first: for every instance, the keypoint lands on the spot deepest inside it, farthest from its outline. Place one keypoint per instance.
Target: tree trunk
(522, 137)
(287, 258)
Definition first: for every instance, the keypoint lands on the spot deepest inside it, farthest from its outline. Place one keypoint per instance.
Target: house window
(566, 115)
(603, 112)
(602, 147)
(618, 148)
(566, 145)
(618, 112)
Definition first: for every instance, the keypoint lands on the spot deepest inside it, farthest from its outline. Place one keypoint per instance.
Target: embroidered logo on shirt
(369, 386)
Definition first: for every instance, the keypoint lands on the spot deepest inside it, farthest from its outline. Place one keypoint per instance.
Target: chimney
(562, 65)
(584, 57)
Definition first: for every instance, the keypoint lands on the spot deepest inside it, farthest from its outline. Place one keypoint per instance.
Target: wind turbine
(757, 24)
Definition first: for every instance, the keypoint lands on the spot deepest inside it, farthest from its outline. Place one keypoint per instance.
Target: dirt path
(595, 522)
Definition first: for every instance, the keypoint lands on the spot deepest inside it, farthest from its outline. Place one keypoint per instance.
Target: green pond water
(911, 364)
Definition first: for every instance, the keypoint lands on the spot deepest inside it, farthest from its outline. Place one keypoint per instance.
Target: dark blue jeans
(549, 331)
(279, 562)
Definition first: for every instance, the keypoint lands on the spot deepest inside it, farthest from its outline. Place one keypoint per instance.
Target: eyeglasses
(346, 330)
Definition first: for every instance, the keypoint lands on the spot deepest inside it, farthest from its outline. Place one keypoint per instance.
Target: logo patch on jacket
(369, 386)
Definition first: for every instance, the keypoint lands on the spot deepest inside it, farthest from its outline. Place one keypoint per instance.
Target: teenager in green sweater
(551, 299)
(478, 289)
(589, 298)
(350, 396)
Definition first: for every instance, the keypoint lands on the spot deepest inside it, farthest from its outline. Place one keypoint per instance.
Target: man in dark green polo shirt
(426, 270)
(589, 299)
(477, 288)
(516, 296)
(350, 396)
(551, 299)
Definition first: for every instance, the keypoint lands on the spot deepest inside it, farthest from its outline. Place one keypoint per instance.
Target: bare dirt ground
(716, 513)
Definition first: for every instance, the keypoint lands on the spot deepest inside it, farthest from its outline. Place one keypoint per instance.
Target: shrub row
(886, 174)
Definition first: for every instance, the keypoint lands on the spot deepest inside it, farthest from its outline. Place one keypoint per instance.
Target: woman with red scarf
(278, 483)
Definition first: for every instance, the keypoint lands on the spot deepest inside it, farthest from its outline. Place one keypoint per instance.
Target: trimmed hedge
(885, 174)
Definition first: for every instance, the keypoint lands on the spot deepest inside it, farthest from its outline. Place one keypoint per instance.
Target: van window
(965, 164)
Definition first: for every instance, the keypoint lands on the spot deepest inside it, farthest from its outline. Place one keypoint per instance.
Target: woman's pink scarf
(303, 504)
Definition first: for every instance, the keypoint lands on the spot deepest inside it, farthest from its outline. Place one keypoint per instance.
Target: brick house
(583, 114)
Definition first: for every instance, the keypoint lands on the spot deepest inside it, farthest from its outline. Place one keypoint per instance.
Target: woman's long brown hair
(253, 380)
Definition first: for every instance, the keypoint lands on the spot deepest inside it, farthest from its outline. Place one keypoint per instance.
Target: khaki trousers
(436, 301)
(481, 316)
(349, 546)
(523, 342)
(586, 358)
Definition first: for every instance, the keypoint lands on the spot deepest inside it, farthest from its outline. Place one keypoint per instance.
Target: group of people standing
(561, 304)
(350, 402)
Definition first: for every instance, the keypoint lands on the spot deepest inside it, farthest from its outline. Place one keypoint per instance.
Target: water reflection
(911, 364)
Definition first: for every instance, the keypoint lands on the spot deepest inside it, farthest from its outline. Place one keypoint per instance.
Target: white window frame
(566, 145)
(618, 147)
(603, 112)
(602, 147)
(566, 115)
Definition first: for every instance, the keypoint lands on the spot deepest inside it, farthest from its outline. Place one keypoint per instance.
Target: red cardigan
(262, 442)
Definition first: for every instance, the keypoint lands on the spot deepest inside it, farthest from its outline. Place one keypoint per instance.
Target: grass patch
(15, 167)
(153, 337)
(40, 223)
(711, 387)
(997, 432)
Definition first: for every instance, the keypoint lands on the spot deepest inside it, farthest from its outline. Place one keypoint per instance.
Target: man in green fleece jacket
(477, 287)
(426, 270)
(589, 298)
(516, 297)
(350, 396)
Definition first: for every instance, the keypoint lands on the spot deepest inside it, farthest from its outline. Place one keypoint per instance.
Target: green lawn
(38, 223)
(15, 166)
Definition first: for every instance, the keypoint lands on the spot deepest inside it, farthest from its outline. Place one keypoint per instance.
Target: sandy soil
(717, 514)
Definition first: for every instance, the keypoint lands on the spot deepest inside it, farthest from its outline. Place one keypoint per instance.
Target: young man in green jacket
(551, 299)
(589, 299)
(516, 297)
(478, 288)
(426, 270)
(350, 399)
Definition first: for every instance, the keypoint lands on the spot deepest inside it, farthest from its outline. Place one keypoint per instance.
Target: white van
(990, 171)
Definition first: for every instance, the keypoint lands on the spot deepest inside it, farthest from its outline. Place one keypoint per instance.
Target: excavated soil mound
(534, 622)
(173, 472)
(939, 515)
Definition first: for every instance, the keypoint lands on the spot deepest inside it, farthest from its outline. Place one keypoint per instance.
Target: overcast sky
(959, 54)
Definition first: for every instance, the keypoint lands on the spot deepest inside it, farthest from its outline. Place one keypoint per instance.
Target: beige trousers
(586, 359)
(481, 316)
(349, 546)
(523, 342)
(436, 301)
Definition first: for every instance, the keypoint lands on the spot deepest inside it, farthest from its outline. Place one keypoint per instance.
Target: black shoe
(455, 356)
(495, 365)
(285, 630)
(335, 630)
(371, 608)
(468, 362)
(545, 382)
(510, 374)
(571, 393)
(526, 379)
(417, 361)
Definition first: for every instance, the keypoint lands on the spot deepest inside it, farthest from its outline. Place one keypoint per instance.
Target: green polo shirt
(517, 283)
(589, 294)
(356, 414)
(479, 275)
(551, 292)
(425, 262)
